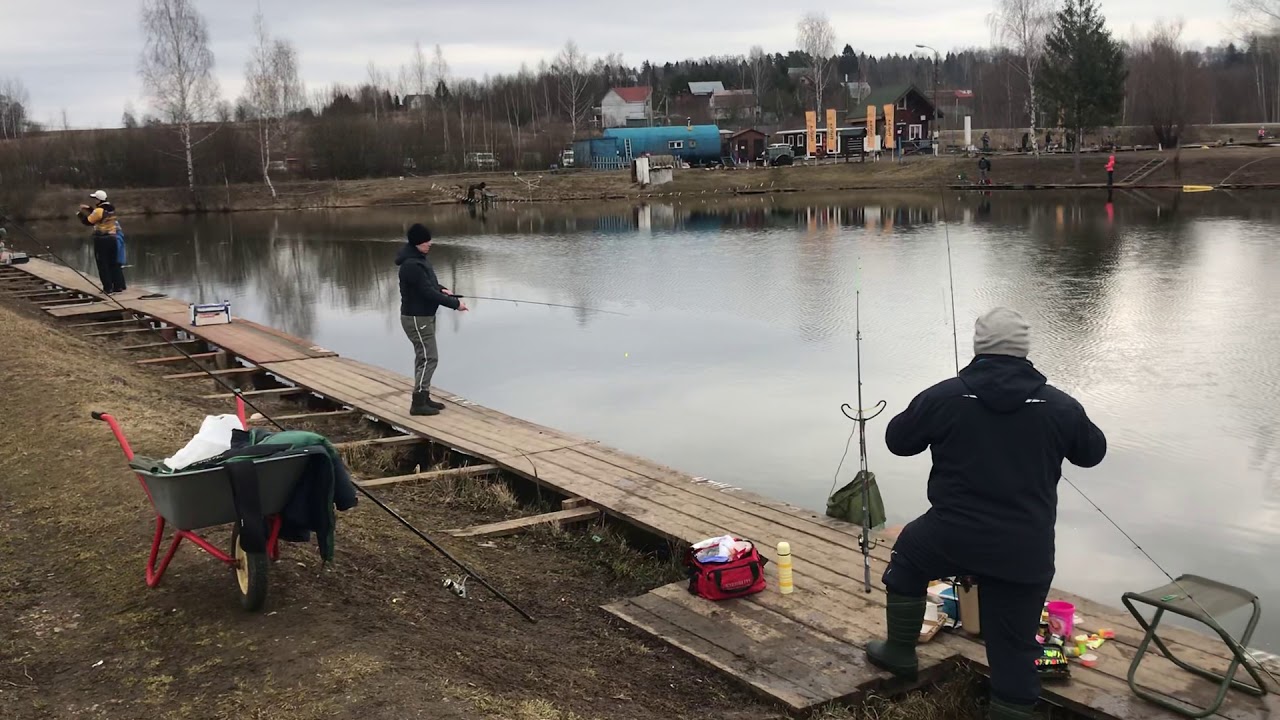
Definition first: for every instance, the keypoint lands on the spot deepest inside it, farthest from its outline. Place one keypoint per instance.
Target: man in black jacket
(421, 294)
(998, 434)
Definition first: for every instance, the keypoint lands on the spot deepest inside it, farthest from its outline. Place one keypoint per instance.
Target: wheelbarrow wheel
(250, 574)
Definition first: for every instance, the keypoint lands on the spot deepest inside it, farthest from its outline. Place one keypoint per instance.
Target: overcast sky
(81, 57)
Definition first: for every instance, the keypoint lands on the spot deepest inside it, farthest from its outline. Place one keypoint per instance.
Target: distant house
(627, 106)
(734, 105)
(745, 145)
(416, 102)
(913, 112)
(706, 88)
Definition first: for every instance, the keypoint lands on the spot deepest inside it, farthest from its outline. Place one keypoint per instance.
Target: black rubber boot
(1001, 710)
(419, 405)
(897, 654)
(433, 403)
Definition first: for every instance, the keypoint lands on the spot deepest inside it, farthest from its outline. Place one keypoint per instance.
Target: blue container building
(694, 144)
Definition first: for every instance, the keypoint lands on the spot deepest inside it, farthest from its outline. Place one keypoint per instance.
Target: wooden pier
(802, 650)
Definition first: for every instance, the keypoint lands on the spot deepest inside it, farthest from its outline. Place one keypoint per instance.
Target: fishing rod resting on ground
(945, 227)
(240, 396)
(534, 302)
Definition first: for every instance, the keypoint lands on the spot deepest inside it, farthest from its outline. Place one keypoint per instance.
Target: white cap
(98, 195)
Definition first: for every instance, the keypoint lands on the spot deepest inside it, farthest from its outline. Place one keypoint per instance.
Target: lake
(737, 343)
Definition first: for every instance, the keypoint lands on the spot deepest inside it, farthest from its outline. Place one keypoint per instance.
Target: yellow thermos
(784, 568)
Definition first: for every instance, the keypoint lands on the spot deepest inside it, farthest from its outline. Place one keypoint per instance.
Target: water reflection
(1155, 310)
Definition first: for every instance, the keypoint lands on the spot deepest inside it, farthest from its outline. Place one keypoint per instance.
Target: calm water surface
(737, 347)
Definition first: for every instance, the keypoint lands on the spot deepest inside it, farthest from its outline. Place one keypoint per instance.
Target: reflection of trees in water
(591, 253)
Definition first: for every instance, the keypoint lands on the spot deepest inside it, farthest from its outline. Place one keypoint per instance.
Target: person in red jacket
(1111, 170)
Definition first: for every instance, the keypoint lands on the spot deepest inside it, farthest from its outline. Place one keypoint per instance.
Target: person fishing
(998, 433)
(421, 294)
(984, 167)
(108, 243)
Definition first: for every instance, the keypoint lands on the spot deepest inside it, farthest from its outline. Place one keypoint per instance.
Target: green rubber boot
(1001, 710)
(897, 654)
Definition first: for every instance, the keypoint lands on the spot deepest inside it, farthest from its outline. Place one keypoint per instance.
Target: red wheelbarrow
(203, 498)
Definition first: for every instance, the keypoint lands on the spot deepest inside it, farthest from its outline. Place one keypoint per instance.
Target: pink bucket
(1061, 618)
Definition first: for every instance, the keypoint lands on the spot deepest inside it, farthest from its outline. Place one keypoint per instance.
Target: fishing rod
(1259, 665)
(534, 302)
(861, 418)
(241, 398)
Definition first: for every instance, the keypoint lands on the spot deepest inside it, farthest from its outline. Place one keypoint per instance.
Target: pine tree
(1082, 78)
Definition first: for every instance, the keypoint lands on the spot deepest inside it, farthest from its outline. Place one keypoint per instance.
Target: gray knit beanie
(1002, 331)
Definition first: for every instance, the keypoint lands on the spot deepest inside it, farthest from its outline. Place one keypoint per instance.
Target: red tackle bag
(742, 576)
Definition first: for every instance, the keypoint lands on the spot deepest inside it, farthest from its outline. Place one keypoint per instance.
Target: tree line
(1054, 65)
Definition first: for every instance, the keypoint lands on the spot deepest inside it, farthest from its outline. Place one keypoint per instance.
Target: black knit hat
(418, 234)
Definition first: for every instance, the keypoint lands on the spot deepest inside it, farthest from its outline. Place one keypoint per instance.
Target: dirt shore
(1240, 166)
(372, 636)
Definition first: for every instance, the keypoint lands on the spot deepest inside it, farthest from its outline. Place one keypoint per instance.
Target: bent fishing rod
(534, 302)
(1096, 506)
(50, 252)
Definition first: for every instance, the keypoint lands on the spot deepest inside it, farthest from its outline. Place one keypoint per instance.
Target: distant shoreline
(1240, 167)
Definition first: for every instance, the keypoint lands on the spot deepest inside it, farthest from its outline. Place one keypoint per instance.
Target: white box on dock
(210, 314)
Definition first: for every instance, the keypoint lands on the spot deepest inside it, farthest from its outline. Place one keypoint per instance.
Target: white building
(625, 106)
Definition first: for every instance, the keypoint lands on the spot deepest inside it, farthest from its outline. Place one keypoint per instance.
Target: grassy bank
(374, 635)
(1192, 166)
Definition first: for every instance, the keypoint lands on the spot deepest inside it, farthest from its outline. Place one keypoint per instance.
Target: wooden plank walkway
(258, 343)
(802, 650)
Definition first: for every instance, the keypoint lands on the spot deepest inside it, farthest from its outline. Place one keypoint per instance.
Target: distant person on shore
(421, 294)
(998, 433)
(986, 141)
(984, 167)
(108, 243)
(1111, 170)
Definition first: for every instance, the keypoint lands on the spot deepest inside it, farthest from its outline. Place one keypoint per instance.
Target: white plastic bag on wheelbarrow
(213, 439)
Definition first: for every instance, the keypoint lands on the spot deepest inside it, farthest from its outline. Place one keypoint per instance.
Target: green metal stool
(1202, 600)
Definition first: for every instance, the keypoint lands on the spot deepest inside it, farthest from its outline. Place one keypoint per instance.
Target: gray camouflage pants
(421, 331)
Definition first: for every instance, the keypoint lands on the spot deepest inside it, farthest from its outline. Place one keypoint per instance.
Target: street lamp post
(936, 60)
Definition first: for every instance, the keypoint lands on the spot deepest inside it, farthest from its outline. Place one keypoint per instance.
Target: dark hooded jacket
(420, 291)
(998, 435)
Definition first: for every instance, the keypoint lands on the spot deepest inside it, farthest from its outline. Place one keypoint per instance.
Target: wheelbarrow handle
(115, 430)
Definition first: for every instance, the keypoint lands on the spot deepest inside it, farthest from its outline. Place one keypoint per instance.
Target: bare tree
(440, 73)
(1259, 21)
(1163, 77)
(274, 92)
(13, 108)
(758, 70)
(418, 79)
(816, 37)
(571, 68)
(1023, 26)
(177, 69)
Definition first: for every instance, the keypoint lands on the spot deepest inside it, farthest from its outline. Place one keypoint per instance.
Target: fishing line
(1257, 664)
(239, 395)
(534, 302)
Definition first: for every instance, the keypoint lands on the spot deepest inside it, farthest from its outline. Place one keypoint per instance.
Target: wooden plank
(393, 440)
(757, 677)
(511, 527)
(207, 373)
(277, 392)
(574, 502)
(145, 346)
(743, 640)
(39, 293)
(126, 331)
(175, 358)
(74, 302)
(304, 416)
(430, 475)
(101, 323)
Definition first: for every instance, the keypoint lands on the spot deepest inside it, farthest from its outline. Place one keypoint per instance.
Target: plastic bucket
(1061, 618)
